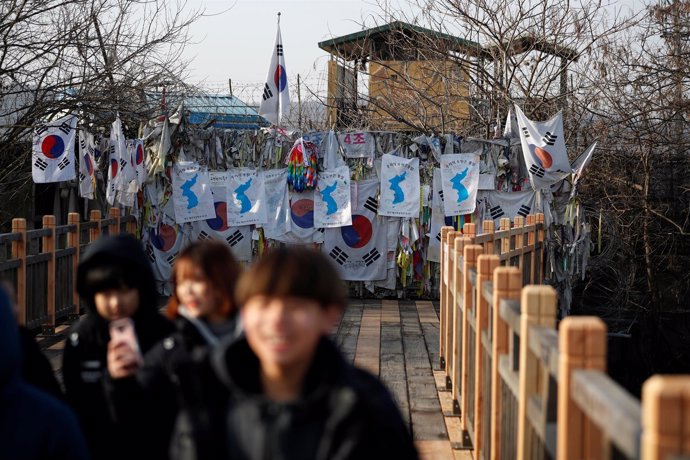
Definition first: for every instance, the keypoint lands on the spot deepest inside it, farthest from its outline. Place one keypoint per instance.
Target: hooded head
(10, 355)
(115, 262)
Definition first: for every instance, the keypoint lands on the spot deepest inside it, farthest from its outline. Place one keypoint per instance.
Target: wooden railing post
(95, 232)
(73, 242)
(531, 238)
(486, 264)
(505, 242)
(582, 345)
(455, 321)
(443, 299)
(507, 284)
(19, 252)
(538, 307)
(488, 228)
(470, 254)
(665, 417)
(114, 228)
(519, 225)
(469, 230)
(450, 305)
(540, 254)
(49, 248)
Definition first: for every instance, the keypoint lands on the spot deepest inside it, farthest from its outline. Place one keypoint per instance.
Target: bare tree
(91, 57)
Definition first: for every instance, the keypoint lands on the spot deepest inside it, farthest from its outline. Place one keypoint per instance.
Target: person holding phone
(116, 282)
(176, 373)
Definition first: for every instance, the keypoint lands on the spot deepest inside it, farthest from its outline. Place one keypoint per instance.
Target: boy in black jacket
(294, 396)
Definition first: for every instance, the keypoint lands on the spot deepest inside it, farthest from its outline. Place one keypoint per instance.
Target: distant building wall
(432, 94)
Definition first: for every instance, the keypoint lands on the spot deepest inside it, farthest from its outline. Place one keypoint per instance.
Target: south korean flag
(499, 205)
(543, 147)
(87, 168)
(52, 156)
(163, 244)
(359, 250)
(275, 102)
(118, 160)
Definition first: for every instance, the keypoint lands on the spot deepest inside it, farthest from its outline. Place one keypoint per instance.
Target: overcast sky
(238, 42)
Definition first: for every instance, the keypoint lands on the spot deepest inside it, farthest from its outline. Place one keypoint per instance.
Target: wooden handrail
(36, 273)
(526, 390)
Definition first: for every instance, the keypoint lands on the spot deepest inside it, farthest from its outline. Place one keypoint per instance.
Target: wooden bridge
(482, 374)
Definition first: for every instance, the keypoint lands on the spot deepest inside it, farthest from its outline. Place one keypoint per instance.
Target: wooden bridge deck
(397, 341)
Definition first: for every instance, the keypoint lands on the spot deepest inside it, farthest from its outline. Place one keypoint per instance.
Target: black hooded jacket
(343, 413)
(33, 424)
(85, 355)
(178, 380)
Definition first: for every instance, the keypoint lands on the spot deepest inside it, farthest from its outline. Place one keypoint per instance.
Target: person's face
(284, 332)
(117, 303)
(195, 293)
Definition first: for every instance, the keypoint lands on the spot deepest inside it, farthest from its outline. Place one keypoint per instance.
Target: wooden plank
(510, 313)
(610, 407)
(543, 342)
(433, 450)
(392, 365)
(348, 330)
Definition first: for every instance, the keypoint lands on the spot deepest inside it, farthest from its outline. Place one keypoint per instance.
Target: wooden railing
(41, 264)
(525, 390)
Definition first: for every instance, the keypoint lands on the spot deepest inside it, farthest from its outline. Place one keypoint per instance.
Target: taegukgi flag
(543, 147)
(52, 156)
(87, 162)
(275, 103)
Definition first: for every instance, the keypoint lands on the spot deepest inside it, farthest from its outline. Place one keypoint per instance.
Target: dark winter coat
(84, 367)
(343, 413)
(36, 369)
(33, 424)
(177, 378)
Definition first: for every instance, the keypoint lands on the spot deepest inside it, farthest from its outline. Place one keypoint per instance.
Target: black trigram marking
(64, 163)
(549, 139)
(524, 210)
(234, 238)
(111, 149)
(82, 143)
(65, 127)
(171, 259)
(440, 195)
(322, 230)
(496, 212)
(525, 131)
(338, 255)
(371, 204)
(82, 176)
(123, 163)
(41, 164)
(267, 92)
(438, 236)
(41, 129)
(150, 253)
(371, 257)
(537, 170)
(203, 236)
(279, 50)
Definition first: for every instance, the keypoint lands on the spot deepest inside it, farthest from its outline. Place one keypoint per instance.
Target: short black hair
(293, 272)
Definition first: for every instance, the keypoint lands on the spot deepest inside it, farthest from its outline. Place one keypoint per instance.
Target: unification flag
(400, 190)
(52, 156)
(460, 181)
(275, 103)
(191, 193)
(238, 238)
(543, 147)
(277, 203)
(247, 197)
(332, 199)
(359, 250)
(87, 168)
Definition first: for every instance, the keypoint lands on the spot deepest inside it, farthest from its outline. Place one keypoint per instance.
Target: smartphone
(122, 331)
